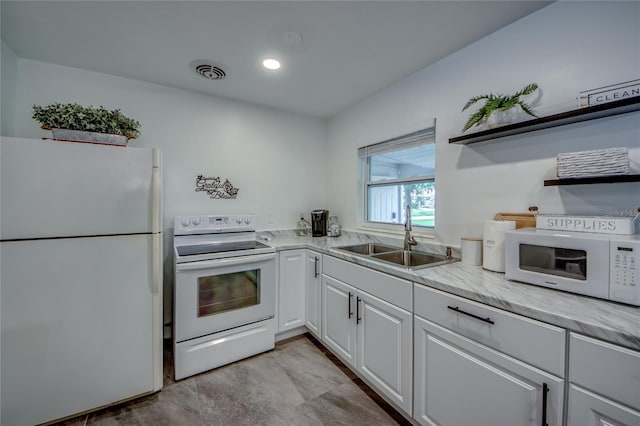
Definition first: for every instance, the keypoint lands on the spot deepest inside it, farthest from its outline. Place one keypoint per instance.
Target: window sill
(422, 233)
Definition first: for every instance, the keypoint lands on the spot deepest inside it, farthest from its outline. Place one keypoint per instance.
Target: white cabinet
(590, 409)
(384, 348)
(370, 334)
(291, 289)
(338, 319)
(479, 366)
(313, 292)
(604, 387)
(459, 382)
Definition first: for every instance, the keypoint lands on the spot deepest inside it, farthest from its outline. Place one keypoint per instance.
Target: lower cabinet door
(589, 409)
(313, 283)
(385, 349)
(459, 382)
(338, 314)
(291, 289)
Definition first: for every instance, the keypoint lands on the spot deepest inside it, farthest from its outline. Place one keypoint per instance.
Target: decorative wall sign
(615, 92)
(215, 188)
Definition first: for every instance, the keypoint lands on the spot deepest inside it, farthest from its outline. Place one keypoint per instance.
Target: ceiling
(349, 50)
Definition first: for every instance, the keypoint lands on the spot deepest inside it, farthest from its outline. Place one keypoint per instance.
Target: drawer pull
(460, 311)
(349, 311)
(358, 319)
(545, 391)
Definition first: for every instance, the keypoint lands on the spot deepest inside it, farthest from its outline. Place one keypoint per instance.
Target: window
(397, 173)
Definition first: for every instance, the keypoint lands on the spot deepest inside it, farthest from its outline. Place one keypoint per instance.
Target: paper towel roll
(493, 243)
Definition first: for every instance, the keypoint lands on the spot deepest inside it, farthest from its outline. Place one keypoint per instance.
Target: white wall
(566, 47)
(275, 158)
(8, 76)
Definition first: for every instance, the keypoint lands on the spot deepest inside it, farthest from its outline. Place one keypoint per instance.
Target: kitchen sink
(369, 248)
(397, 256)
(412, 259)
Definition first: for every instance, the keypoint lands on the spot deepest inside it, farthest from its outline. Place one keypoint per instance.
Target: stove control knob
(196, 221)
(247, 220)
(186, 222)
(238, 220)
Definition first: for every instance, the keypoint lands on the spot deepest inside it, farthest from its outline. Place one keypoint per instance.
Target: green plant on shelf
(498, 102)
(90, 119)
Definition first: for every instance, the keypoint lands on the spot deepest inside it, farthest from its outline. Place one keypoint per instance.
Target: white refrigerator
(80, 277)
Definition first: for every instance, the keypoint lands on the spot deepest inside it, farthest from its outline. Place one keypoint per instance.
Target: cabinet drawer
(387, 287)
(607, 369)
(534, 342)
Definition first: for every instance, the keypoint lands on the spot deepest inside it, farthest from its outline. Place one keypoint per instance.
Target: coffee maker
(319, 220)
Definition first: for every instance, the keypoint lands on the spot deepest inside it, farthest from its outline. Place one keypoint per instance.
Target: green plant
(498, 102)
(90, 119)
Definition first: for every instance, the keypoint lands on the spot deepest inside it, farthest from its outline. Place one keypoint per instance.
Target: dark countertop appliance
(319, 221)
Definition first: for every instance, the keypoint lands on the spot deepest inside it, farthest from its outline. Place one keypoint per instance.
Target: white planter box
(93, 137)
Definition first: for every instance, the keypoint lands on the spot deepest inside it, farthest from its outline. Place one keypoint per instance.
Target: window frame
(425, 136)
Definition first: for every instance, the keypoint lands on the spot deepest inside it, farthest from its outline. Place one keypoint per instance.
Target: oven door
(216, 295)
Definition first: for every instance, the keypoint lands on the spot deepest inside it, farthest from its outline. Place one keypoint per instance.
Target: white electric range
(224, 293)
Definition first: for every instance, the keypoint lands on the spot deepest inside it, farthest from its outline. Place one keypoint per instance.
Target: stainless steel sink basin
(395, 255)
(369, 248)
(413, 259)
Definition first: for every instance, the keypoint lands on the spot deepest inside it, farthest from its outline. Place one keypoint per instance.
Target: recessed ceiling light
(271, 64)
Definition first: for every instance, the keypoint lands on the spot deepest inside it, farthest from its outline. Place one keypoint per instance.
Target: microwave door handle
(231, 261)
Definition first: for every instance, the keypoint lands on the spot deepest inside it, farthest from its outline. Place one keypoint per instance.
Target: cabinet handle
(315, 267)
(460, 311)
(545, 391)
(358, 310)
(349, 311)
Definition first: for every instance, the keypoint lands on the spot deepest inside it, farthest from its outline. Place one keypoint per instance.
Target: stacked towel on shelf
(597, 162)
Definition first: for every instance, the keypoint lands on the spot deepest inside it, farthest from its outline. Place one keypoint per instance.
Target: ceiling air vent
(208, 70)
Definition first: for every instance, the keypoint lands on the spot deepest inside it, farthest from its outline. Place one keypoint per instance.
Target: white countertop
(613, 322)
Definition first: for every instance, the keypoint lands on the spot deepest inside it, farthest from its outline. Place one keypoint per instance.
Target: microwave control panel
(625, 274)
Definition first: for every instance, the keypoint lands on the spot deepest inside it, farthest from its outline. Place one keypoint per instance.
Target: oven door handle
(229, 261)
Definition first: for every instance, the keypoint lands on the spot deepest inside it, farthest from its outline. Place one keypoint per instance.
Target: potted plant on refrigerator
(73, 122)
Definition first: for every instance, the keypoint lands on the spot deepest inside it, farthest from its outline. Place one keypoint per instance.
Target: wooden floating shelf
(622, 106)
(592, 180)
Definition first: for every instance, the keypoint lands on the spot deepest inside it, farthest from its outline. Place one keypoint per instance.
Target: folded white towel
(597, 162)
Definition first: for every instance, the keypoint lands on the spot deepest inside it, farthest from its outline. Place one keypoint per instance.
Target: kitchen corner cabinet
(475, 365)
(291, 289)
(604, 385)
(313, 291)
(362, 327)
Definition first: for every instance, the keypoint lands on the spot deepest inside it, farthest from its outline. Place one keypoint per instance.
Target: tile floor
(298, 383)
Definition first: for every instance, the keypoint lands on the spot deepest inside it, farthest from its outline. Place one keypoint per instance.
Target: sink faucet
(408, 239)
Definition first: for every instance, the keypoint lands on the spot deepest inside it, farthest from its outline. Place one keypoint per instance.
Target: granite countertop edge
(609, 321)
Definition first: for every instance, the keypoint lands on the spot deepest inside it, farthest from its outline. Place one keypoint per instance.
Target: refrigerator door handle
(156, 263)
(156, 192)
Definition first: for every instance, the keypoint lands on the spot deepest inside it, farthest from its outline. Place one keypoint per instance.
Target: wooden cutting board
(522, 220)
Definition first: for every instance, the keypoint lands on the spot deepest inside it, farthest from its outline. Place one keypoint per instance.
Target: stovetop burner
(211, 237)
(192, 250)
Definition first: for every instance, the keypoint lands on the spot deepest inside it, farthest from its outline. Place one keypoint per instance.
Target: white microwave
(599, 265)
